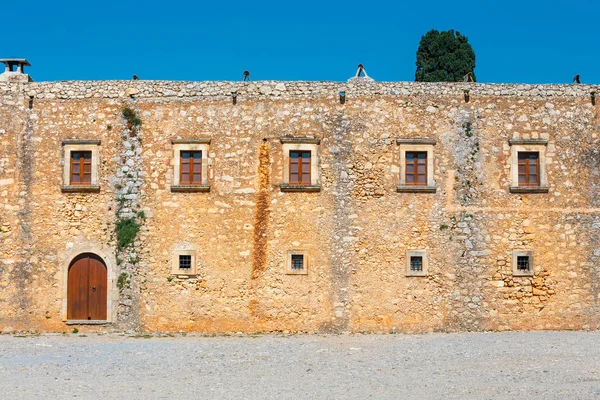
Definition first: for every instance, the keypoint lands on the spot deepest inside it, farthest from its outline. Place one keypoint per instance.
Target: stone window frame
(522, 253)
(175, 270)
(197, 144)
(416, 145)
(288, 262)
(74, 145)
(528, 145)
(417, 253)
(301, 144)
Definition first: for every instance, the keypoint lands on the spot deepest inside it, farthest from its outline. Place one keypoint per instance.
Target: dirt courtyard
(523, 365)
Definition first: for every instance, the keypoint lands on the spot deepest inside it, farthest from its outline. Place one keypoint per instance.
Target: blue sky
(530, 41)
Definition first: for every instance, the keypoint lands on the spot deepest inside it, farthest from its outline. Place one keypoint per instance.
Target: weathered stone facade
(356, 229)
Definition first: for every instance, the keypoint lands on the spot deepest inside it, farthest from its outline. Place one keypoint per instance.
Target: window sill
(86, 322)
(190, 188)
(417, 275)
(300, 188)
(523, 274)
(529, 189)
(296, 273)
(184, 275)
(80, 189)
(415, 189)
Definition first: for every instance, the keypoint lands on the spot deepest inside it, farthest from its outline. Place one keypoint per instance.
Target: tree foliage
(444, 57)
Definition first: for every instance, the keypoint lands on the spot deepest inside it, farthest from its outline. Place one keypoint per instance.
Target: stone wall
(220, 90)
(356, 230)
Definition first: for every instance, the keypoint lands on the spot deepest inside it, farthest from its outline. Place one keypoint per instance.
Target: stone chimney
(14, 70)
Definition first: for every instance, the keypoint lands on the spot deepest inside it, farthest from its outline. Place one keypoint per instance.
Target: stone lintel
(529, 189)
(416, 141)
(80, 189)
(81, 141)
(190, 188)
(300, 188)
(190, 140)
(289, 139)
(415, 189)
(525, 142)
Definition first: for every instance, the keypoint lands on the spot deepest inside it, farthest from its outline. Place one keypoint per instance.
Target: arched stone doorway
(87, 288)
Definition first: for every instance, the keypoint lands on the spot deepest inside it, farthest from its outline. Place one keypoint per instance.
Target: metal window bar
(297, 261)
(416, 263)
(185, 262)
(523, 263)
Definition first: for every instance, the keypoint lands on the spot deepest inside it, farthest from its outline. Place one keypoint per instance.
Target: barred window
(523, 263)
(297, 261)
(416, 263)
(185, 262)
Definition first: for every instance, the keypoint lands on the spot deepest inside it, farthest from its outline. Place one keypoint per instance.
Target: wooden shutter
(190, 168)
(300, 168)
(416, 168)
(81, 168)
(529, 168)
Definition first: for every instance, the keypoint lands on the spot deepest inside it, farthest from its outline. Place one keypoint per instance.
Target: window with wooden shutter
(300, 168)
(416, 168)
(529, 168)
(81, 168)
(190, 168)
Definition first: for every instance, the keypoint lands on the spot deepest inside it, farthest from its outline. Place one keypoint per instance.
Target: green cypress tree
(444, 57)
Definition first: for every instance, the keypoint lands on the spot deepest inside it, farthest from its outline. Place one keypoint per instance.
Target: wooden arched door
(87, 288)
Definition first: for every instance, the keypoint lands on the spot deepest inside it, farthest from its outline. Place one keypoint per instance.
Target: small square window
(296, 262)
(416, 263)
(185, 262)
(522, 263)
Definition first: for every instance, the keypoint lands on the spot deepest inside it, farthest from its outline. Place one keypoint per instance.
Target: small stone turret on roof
(17, 74)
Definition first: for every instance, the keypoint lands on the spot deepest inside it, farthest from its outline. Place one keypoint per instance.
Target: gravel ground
(523, 365)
